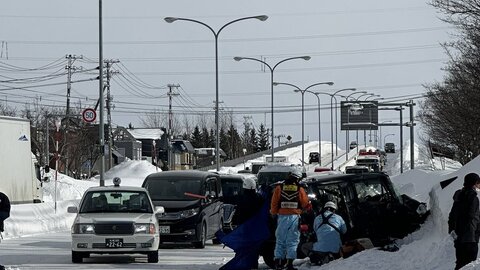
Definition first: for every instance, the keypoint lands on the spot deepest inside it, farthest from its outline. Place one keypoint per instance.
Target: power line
(233, 40)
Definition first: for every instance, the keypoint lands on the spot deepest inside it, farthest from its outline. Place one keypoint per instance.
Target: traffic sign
(89, 115)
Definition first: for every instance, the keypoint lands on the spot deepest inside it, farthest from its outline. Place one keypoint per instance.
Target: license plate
(114, 243)
(164, 229)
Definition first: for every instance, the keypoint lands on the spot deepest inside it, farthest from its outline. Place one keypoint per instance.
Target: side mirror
(159, 210)
(72, 210)
(46, 169)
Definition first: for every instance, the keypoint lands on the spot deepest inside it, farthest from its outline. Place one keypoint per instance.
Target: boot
(278, 264)
(290, 265)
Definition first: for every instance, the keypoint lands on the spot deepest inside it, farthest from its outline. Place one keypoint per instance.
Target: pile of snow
(428, 248)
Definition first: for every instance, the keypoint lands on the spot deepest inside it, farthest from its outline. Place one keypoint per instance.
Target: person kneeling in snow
(328, 228)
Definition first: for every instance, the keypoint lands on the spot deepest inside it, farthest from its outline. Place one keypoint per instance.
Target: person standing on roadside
(288, 200)
(464, 221)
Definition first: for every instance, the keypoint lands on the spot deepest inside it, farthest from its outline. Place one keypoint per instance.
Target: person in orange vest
(288, 201)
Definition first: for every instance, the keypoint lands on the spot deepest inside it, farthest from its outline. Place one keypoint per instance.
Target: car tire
(77, 257)
(203, 237)
(215, 240)
(152, 257)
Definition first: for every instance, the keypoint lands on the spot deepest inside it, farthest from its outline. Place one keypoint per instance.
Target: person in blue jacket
(328, 228)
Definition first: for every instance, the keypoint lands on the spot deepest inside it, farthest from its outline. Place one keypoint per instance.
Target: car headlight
(188, 213)
(148, 228)
(83, 229)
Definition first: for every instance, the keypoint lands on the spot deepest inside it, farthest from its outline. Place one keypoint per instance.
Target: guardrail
(237, 161)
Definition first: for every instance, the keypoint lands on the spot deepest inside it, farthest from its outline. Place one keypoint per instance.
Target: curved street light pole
(336, 109)
(370, 134)
(380, 126)
(297, 89)
(364, 131)
(385, 137)
(347, 138)
(371, 96)
(272, 69)
(216, 34)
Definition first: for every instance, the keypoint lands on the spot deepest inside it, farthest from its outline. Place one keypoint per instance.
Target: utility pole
(108, 105)
(170, 121)
(70, 69)
(412, 144)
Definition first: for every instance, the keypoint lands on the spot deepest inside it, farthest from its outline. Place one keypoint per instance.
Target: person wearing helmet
(328, 228)
(288, 201)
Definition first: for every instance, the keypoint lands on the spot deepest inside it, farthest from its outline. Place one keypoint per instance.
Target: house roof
(182, 146)
(146, 133)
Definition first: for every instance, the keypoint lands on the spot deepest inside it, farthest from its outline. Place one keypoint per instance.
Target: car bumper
(131, 243)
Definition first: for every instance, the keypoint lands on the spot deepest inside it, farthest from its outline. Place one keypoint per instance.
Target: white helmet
(330, 204)
(249, 183)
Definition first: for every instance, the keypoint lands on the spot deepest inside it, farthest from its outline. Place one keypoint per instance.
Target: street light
(384, 137)
(364, 131)
(331, 118)
(216, 34)
(373, 95)
(298, 90)
(272, 69)
(347, 137)
(380, 127)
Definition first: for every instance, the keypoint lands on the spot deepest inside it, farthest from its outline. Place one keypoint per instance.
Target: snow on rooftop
(146, 133)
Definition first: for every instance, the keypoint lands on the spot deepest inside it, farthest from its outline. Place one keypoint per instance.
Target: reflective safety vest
(289, 196)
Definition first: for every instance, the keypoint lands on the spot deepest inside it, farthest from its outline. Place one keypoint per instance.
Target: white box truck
(20, 173)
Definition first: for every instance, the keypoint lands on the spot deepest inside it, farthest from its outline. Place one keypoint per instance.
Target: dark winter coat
(4, 209)
(248, 205)
(464, 217)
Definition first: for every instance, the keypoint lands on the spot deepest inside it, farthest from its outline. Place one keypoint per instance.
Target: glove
(453, 235)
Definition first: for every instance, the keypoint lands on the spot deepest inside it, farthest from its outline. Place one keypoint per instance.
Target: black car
(369, 205)
(367, 202)
(313, 157)
(389, 148)
(192, 203)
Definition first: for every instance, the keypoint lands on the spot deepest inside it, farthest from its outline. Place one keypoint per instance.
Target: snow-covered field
(428, 248)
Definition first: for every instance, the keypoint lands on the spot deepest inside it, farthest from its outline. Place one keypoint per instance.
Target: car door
(213, 205)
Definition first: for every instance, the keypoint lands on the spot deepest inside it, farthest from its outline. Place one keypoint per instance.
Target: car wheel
(215, 240)
(152, 257)
(77, 257)
(203, 237)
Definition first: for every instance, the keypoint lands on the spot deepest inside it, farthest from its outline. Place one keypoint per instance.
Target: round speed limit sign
(89, 115)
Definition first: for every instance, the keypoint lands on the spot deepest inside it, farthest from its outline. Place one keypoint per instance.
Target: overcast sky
(389, 48)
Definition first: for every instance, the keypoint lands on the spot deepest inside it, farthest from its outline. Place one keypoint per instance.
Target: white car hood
(115, 217)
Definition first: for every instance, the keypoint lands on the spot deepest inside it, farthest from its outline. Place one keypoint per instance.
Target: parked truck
(20, 178)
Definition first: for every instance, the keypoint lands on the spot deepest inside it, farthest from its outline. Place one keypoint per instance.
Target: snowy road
(52, 251)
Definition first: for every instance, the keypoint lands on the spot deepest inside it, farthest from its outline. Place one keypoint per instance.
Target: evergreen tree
(252, 143)
(196, 138)
(213, 138)
(263, 143)
(205, 138)
(224, 143)
(235, 147)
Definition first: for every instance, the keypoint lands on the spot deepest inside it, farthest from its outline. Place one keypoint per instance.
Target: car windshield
(370, 189)
(174, 189)
(116, 202)
(268, 178)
